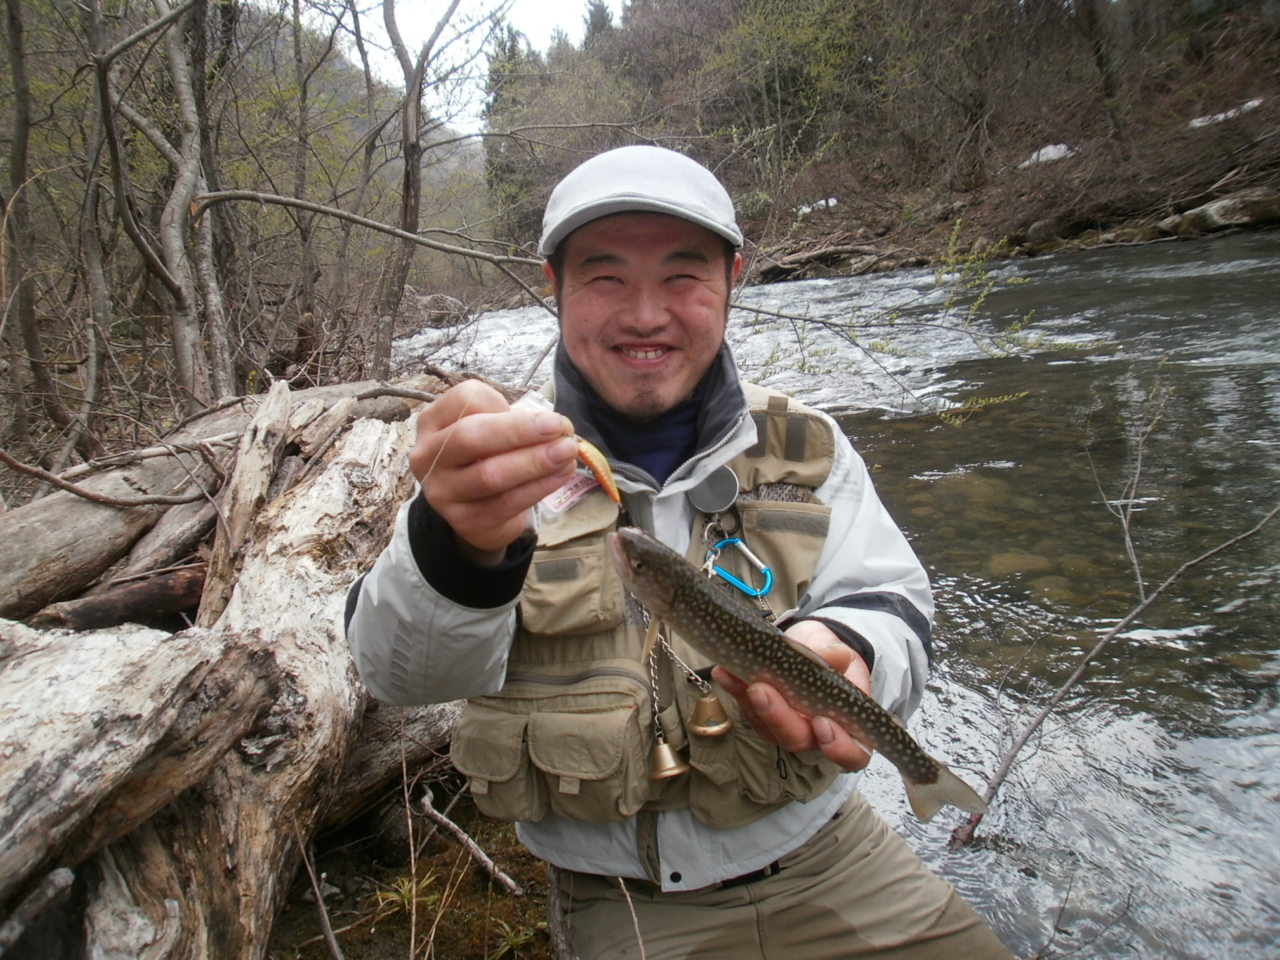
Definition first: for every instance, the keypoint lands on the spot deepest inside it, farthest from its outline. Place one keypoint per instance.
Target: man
(672, 840)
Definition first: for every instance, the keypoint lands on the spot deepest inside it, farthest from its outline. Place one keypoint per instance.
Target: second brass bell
(709, 718)
(665, 763)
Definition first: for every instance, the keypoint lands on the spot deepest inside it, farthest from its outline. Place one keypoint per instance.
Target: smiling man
(674, 839)
(643, 300)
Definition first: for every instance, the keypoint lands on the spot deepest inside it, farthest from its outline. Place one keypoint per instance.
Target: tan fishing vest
(572, 729)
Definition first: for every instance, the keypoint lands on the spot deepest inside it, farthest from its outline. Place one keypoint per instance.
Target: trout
(735, 636)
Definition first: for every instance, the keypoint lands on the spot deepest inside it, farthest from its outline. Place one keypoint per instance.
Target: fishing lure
(595, 461)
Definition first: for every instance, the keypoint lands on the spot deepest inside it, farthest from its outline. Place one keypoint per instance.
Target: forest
(203, 198)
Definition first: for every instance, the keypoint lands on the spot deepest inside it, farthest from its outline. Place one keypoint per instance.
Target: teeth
(652, 353)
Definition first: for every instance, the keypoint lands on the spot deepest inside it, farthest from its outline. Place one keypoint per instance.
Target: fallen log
(392, 741)
(175, 536)
(87, 715)
(178, 775)
(55, 548)
(59, 545)
(148, 601)
(261, 450)
(798, 264)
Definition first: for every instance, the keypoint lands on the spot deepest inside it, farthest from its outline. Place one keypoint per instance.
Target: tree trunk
(21, 229)
(180, 776)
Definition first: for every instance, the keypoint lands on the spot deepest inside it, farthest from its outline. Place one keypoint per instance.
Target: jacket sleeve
(870, 583)
(424, 624)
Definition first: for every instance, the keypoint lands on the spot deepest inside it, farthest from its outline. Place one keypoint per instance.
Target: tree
(22, 269)
(597, 25)
(415, 127)
(516, 77)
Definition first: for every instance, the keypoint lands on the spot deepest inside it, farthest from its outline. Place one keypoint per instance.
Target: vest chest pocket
(489, 749)
(572, 587)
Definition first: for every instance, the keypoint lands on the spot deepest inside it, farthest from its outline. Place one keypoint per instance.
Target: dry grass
(439, 905)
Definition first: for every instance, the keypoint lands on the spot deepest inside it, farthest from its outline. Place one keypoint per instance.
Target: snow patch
(1055, 151)
(1225, 115)
(805, 209)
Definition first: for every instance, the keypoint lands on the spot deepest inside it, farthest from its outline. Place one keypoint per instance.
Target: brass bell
(665, 763)
(709, 718)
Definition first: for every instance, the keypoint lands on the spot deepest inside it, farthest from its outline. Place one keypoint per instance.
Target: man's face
(643, 303)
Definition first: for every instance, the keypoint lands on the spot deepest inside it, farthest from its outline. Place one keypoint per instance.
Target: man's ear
(737, 266)
(551, 274)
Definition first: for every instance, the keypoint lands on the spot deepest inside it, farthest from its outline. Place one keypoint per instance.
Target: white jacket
(413, 644)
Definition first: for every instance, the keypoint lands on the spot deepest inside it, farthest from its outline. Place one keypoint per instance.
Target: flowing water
(1141, 820)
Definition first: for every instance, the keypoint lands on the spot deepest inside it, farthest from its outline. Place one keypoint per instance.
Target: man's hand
(775, 719)
(483, 464)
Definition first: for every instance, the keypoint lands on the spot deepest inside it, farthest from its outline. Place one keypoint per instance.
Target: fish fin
(927, 799)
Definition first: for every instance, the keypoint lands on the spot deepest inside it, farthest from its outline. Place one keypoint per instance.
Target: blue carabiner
(755, 561)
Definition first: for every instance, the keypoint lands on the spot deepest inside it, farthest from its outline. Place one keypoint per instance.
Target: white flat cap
(639, 178)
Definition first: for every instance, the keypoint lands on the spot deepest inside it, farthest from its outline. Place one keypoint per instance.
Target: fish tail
(927, 799)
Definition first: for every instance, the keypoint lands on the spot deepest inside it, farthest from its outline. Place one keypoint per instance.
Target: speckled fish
(735, 636)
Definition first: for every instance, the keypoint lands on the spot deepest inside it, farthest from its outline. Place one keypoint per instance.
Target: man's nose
(646, 310)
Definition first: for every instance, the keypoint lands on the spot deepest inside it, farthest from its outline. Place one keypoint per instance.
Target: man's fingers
(477, 436)
(469, 396)
(548, 464)
(476, 519)
(471, 424)
(838, 747)
(769, 714)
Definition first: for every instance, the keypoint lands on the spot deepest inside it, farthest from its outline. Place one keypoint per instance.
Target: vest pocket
(489, 749)
(572, 743)
(590, 762)
(740, 776)
(795, 533)
(571, 591)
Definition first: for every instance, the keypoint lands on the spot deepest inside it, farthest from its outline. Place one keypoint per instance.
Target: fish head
(648, 568)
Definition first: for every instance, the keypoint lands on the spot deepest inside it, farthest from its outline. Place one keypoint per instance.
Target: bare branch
(61, 484)
(964, 833)
(473, 848)
(154, 27)
(207, 200)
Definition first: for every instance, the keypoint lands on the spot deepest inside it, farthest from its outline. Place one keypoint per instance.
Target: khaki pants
(854, 890)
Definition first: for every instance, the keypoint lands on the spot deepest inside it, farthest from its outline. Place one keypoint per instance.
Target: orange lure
(599, 467)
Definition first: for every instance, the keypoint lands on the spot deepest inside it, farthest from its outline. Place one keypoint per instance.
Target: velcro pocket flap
(493, 749)
(577, 747)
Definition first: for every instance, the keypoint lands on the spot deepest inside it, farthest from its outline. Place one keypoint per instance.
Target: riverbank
(1191, 177)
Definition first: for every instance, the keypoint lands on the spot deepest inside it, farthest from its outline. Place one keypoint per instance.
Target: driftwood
(851, 258)
(58, 546)
(178, 776)
(261, 450)
(147, 600)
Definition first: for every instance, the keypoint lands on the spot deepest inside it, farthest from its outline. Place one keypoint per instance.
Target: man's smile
(643, 353)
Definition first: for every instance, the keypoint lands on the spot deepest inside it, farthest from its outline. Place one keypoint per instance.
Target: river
(1141, 822)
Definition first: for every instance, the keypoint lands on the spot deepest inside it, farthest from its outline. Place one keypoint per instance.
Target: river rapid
(1141, 820)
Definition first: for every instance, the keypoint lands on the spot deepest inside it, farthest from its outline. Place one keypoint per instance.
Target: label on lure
(561, 500)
